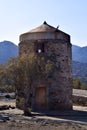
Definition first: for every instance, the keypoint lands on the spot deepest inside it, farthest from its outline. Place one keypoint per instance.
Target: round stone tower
(55, 44)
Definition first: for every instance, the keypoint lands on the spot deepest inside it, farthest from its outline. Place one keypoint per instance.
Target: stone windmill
(53, 43)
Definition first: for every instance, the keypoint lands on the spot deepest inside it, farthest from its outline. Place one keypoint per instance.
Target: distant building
(53, 43)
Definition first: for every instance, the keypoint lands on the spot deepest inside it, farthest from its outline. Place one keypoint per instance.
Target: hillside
(79, 63)
(79, 54)
(79, 70)
(7, 50)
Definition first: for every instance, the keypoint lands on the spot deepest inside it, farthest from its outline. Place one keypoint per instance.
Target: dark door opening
(40, 98)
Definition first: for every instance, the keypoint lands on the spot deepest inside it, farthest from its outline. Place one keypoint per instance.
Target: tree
(33, 67)
(2, 75)
(24, 70)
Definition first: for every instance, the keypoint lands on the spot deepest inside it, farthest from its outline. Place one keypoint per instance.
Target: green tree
(76, 83)
(24, 70)
(2, 75)
(33, 67)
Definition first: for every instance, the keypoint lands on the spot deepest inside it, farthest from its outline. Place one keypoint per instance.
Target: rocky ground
(13, 119)
(41, 126)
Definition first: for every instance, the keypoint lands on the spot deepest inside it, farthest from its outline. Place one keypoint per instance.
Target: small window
(39, 50)
(39, 47)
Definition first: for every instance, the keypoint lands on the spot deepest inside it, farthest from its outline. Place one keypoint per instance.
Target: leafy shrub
(7, 89)
(77, 84)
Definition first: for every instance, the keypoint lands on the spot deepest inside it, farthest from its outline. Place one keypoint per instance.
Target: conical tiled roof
(44, 31)
(44, 28)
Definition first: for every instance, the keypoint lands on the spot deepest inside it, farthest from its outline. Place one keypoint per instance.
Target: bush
(77, 84)
(7, 89)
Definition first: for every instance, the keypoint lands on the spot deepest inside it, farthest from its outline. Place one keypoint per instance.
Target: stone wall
(59, 89)
(79, 97)
(79, 100)
(45, 35)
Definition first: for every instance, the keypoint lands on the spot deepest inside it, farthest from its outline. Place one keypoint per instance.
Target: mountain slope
(7, 50)
(79, 63)
(79, 70)
(79, 54)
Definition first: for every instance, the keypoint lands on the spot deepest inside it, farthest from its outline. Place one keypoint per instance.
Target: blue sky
(19, 16)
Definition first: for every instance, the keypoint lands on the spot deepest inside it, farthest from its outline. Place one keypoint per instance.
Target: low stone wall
(79, 100)
(79, 97)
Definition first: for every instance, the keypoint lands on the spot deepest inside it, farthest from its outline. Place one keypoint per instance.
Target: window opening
(40, 47)
(39, 50)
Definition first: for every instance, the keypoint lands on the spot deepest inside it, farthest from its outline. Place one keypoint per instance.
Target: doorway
(40, 98)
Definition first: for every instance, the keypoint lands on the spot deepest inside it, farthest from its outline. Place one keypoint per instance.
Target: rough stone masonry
(55, 45)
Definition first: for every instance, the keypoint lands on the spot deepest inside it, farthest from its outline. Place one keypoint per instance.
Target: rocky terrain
(13, 118)
(73, 120)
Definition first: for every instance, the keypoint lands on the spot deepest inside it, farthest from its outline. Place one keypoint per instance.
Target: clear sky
(19, 16)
